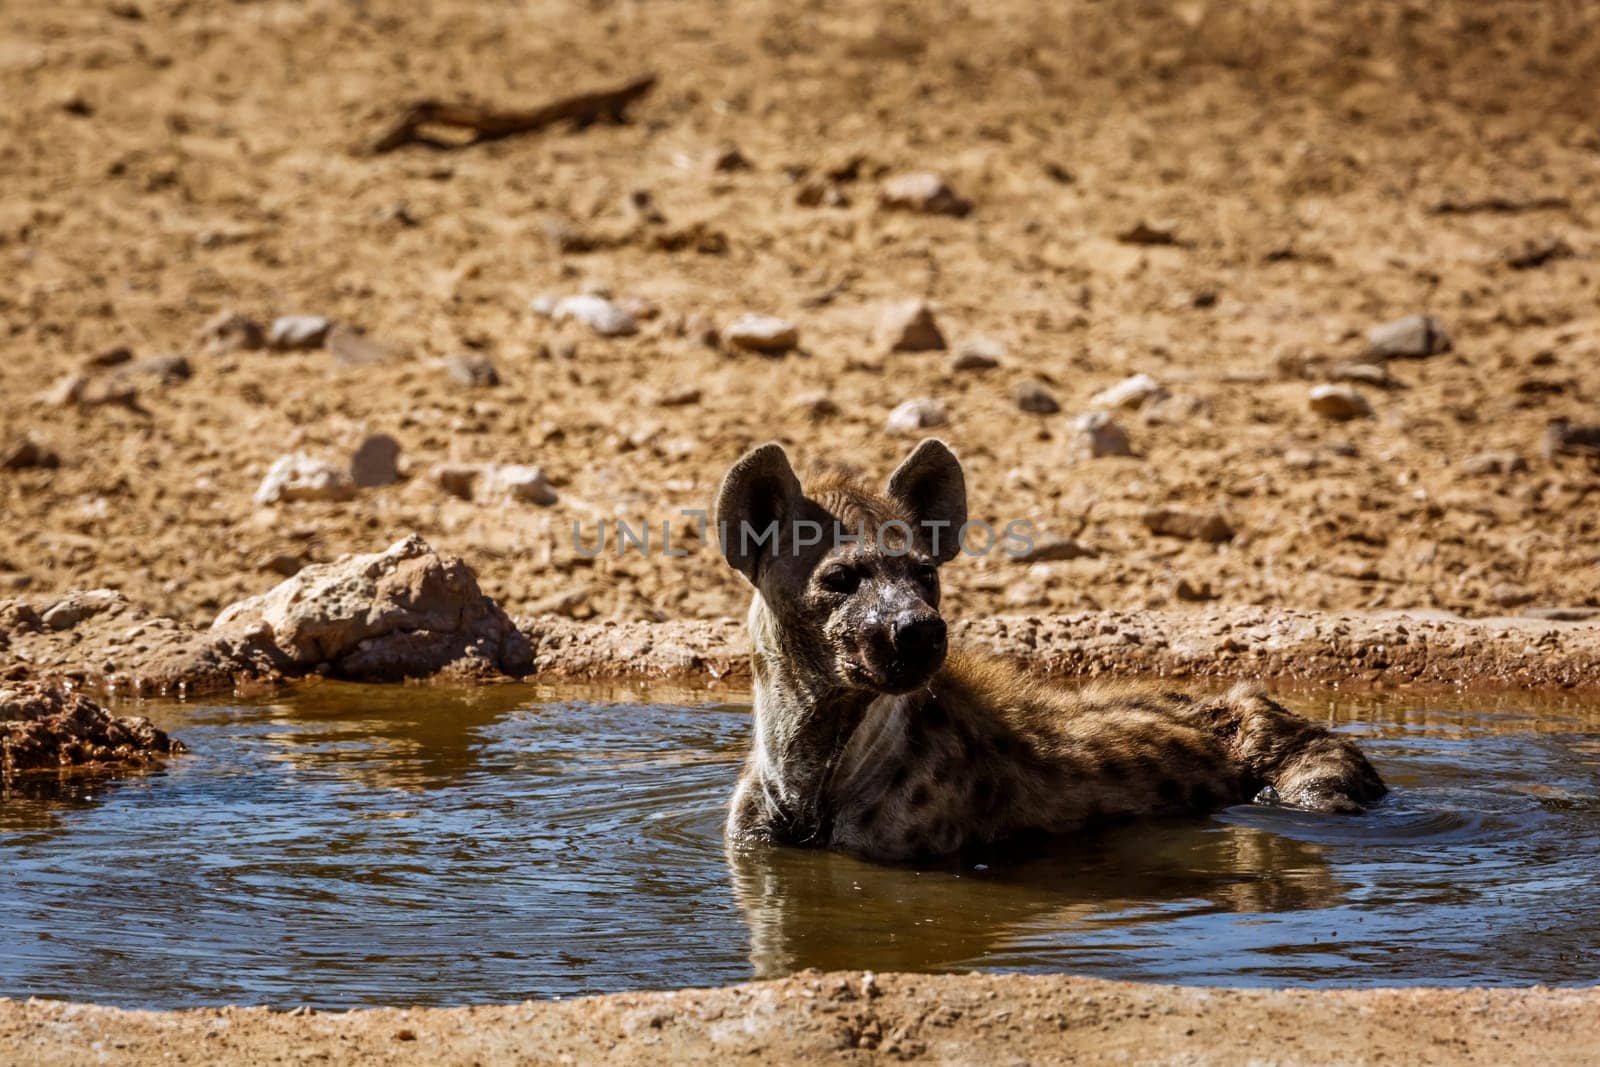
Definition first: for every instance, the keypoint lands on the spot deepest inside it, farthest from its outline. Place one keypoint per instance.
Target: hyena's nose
(918, 634)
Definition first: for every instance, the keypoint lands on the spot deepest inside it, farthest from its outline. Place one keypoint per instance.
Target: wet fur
(981, 753)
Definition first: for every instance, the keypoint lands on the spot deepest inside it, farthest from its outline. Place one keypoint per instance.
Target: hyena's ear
(930, 485)
(758, 491)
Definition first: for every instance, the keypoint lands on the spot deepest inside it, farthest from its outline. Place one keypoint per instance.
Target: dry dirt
(855, 1018)
(1321, 168)
(1223, 196)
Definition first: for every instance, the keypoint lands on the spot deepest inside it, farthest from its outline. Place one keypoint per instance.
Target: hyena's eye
(840, 579)
(926, 574)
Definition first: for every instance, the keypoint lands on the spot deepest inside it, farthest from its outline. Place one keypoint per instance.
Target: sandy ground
(854, 1018)
(1320, 168)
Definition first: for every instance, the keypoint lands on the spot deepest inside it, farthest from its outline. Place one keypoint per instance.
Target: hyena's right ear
(759, 497)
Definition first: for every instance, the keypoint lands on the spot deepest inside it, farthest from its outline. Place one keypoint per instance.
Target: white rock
(1132, 393)
(761, 333)
(597, 313)
(920, 413)
(544, 305)
(301, 477)
(523, 484)
(1097, 435)
(924, 192)
(1414, 337)
(291, 333)
(1339, 402)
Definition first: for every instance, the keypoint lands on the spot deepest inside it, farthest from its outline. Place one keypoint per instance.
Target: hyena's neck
(803, 721)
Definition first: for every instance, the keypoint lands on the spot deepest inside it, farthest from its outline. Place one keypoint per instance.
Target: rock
(729, 159)
(111, 357)
(978, 353)
(1412, 337)
(283, 564)
(1142, 233)
(1194, 594)
(1097, 434)
(570, 604)
(1190, 525)
(229, 331)
(1563, 438)
(921, 413)
(525, 485)
(472, 371)
(1031, 396)
(1494, 463)
(1365, 373)
(544, 305)
(683, 396)
(27, 454)
(405, 612)
(72, 609)
(376, 462)
(766, 334)
(1338, 402)
(83, 391)
(923, 192)
(457, 479)
(598, 313)
(1056, 550)
(298, 476)
(1131, 393)
(167, 369)
(296, 333)
(815, 192)
(909, 326)
(45, 726)
(814, 405)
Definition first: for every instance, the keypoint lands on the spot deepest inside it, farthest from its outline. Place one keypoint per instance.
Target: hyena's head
(847, 581)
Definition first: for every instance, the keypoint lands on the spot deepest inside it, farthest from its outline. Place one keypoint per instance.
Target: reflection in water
(409, 845)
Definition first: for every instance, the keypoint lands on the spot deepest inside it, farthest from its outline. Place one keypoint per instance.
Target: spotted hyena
(873, 738)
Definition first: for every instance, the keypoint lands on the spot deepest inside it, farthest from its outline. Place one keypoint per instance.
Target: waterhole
(352, 846)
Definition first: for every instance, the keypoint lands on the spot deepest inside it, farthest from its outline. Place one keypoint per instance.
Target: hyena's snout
(912, 648)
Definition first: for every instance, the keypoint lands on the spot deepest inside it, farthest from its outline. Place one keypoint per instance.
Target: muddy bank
(857, 1018)
(48, 727)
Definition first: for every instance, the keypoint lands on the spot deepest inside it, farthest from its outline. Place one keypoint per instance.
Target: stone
(1484, 463)
(978, 354)
(297, 333)
(1363, 373)
(83, 391)
(728, 159)
(283, 564)
(1031, 396)
(45, 726)
(297, 477)
(406, 612)
(457, 479)
(472, 371)
(119, 356)
(166, 369)
(1189, 525)
(1131, 393)
(923, 192)
(683, 396)
(352, 348)
(921, 413)
(1188, 591)
(516, 482)
(814, 405)
(27, 454)
(1563, 438)
(766, 334)
(598, 313)
(1097, 434)
(1338, 402)
(1055, 550)
(1412, 337)
(376, 462)
(229, 331)
(1143, 233)
(72, 609)
(909, 326)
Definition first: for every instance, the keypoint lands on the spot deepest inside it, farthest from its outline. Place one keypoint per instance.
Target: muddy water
(360, 846)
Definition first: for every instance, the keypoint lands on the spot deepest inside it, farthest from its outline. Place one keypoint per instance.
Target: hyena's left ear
(759, 500)
(930, 485)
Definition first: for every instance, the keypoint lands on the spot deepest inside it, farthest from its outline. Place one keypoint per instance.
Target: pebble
(909, 326)
(298, 476)
(352, 348)
(814, 405)
(27, 454)
(1365, 373)
(229, 331)
(1563, 438)
(283, 564)
(1131, 393)
(767, 334)
(920, 413)
(1339, 402)
(84, 391)
(459, 480)
(1034, 398)
(168, 369)
(295, 333)
(1189, 525)
(1494, 463)
(526, 485)
(1056, 550)
(1412, 337)
(376, 462)
(978, 353)
(1097, 435)
(472, 371)
(598, 313)
(924, 192)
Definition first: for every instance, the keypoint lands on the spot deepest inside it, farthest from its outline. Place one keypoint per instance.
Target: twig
(447, 126)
